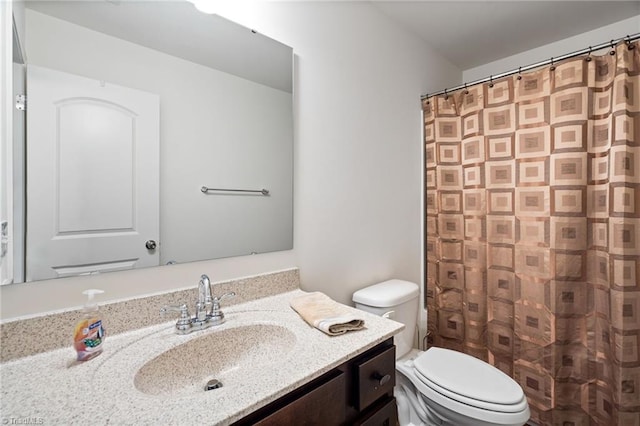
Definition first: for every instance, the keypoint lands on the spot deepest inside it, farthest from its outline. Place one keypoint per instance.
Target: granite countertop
(280, 353)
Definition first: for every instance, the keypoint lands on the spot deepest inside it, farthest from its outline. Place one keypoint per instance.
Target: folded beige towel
(325, 314)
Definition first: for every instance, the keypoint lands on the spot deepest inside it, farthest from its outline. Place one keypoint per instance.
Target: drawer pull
(382, 380)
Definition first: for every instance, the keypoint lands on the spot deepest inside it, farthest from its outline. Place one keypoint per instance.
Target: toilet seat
(479, 411)
(483, 405)
(464, 378)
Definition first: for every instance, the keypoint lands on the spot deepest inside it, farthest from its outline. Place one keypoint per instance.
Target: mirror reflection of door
(92, 176)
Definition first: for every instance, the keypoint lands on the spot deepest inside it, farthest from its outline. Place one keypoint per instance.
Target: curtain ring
(491, 81)
(628, 41)
(519, 73)
(613, 48)
(553, 67)
(466, 91)
(446, 95)
(588, 58)
(427, 97)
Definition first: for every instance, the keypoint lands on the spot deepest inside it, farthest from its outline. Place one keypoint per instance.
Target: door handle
(150, 245)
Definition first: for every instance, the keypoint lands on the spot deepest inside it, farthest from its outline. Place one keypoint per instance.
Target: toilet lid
(469, 377)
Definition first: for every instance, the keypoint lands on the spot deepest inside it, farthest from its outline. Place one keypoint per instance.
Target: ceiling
(473, 33)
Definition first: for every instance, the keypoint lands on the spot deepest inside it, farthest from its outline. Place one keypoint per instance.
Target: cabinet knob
(382, 380)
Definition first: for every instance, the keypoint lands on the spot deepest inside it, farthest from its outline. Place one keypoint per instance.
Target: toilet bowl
(440, 386)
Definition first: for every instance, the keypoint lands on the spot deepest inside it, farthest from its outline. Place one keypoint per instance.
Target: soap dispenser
(89, 332)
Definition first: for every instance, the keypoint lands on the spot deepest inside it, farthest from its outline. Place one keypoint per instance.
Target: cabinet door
(384, 413)
(324, 405)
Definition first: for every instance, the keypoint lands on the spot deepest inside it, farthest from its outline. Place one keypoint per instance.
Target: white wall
(358, 159)
(581, 41)
(216, 130)
(357, 165)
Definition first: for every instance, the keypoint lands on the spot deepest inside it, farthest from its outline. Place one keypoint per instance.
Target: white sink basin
(227, 355)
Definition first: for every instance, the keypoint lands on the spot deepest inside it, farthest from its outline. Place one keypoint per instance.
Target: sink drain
(212, 384)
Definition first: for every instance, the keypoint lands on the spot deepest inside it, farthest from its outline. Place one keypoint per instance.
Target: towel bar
(263, 191)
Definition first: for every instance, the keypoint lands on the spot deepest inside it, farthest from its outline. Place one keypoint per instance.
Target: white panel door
(92, 176)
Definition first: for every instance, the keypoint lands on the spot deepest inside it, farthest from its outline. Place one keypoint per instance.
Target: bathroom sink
(229, 355)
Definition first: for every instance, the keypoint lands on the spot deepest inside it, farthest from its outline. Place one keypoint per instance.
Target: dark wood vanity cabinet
(358, 392)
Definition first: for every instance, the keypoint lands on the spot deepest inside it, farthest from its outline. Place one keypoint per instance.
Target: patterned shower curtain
(533, 233)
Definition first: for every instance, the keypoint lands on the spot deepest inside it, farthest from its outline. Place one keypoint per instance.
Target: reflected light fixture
(206, 6)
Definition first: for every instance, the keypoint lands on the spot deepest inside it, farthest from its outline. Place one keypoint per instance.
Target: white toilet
(441, 386)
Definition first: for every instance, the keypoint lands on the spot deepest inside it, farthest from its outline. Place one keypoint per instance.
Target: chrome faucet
(203, 306)
(208, 311)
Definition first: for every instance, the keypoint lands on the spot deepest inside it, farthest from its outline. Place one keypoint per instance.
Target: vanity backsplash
(46, 332)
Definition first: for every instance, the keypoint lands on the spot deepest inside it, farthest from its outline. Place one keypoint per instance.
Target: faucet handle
(217, 317)
(217, 299)
(184, 322)
(183, 309)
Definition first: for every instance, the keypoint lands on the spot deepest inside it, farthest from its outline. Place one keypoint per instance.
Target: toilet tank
(396, 300)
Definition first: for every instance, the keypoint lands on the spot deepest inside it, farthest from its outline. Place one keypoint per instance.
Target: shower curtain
(533, 233)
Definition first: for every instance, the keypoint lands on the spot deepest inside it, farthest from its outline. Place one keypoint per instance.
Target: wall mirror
(156, 134)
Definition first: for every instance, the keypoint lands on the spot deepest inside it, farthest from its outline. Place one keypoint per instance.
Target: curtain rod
(628, 39)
